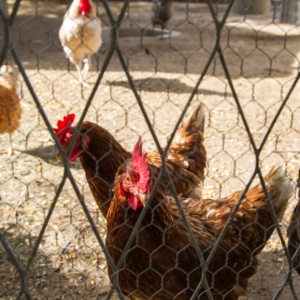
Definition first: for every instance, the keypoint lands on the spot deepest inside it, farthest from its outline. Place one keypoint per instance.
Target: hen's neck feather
(101, 161)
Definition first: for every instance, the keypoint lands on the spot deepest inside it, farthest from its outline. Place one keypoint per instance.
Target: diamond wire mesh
(44, 275)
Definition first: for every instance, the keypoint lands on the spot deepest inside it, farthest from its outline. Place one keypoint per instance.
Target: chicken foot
(162, 33)
(87, 66)
(78, 67)
(10, 150)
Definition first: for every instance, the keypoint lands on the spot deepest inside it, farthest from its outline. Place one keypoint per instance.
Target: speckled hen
(161, 263)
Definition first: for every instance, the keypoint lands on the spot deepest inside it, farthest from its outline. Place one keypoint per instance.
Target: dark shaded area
(166, 85)
(48, 154)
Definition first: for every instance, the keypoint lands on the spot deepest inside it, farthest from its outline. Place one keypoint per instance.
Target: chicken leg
(87, 66)
(10, 150)
(162, 32)
(78, 67)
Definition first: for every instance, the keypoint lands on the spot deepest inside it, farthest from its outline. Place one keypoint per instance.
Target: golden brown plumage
(165, 265)
(10, 106)
(103, 155)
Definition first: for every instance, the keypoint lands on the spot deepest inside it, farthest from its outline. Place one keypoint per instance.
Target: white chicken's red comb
(85, 7)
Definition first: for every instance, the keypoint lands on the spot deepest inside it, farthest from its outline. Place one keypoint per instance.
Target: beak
(143, 198)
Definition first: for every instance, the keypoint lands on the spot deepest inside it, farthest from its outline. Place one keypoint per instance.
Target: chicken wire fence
(242, 68)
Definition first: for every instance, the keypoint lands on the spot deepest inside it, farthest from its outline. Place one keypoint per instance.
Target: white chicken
(80, 35)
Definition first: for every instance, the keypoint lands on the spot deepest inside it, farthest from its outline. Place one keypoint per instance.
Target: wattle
(75, 154)
(134, 202)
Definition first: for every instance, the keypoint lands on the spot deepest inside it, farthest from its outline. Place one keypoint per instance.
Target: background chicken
(159, 267)
(293, 232)
(101, 155)
(10, 106)
(80, 35)
(162, 12)
(294, 237)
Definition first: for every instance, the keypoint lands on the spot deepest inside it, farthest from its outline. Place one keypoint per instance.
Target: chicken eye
(127, 179)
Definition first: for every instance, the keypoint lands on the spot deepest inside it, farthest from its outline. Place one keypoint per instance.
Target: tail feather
(280, 188)
(188, 146)
(196, 120)
(193, 125)
(254, 217)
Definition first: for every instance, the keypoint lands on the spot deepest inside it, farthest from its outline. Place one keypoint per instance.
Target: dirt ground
(262, 56)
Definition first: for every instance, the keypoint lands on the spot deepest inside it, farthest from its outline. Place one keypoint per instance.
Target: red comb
(64, 126)
(140, 166)
(85, 6)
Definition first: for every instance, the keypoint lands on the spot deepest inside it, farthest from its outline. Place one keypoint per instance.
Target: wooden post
(290, 11)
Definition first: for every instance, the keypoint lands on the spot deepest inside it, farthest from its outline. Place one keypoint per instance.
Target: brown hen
(101, 155)
(164, 265)
(10, 106)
